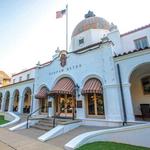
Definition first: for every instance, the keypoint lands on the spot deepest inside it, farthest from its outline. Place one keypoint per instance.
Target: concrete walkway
(65, 138)
(13, 141)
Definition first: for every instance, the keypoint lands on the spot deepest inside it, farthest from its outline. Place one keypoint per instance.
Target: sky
(30, 32)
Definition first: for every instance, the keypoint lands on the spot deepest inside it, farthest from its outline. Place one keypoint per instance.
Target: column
(112, 103)
(31, 102)
(11, 104)
(51, 106)
(128, 102)
(21, 104)
(80, 107)
(3, 105)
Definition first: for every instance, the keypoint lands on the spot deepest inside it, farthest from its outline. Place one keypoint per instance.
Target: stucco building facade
(104, 76)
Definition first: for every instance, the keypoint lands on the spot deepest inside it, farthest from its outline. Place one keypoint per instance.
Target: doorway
(65, 105)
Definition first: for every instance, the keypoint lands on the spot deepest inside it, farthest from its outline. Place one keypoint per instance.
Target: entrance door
(65, 105)
(44, 105)
(95, 106)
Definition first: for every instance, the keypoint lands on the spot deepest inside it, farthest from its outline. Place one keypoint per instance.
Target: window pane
(91, 106)
(141, 43)
(81, 41)
(144, 42)
(100, 104)
(146, 84)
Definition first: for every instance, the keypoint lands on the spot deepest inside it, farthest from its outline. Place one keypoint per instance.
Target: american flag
(59, 14)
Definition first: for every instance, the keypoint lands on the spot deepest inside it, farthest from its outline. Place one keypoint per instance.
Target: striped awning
(42, 94)
(92, 86)
(63, 86)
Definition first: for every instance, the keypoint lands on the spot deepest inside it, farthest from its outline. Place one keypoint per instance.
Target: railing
(31, 115)
(54, 117)
(66, 108)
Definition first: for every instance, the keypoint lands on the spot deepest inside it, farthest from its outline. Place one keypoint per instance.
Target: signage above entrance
(63, 58)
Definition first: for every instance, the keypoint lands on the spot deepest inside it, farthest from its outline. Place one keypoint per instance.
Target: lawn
(2, 121)
(110, 146)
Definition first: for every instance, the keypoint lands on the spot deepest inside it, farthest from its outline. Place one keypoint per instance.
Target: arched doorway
(7, 99)
(93, 93)
(1, 96)
(27, 100)
(42, 95)
(16, 100)
(140, 91)
(64, 98)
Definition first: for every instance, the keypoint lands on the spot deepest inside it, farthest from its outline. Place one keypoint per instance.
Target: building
(4, 79)
(105, 76)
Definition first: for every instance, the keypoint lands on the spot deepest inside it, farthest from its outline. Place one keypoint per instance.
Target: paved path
(31, 132)
(13, 141)
(65, 138)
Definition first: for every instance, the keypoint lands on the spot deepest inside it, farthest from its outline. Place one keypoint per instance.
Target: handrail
(54, 119)
(31, 115)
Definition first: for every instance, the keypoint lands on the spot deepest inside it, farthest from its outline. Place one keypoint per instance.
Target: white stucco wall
(23, 74)
(128, 40)
(128, 63)
(80, 67)
(21, 87)
(91, 36)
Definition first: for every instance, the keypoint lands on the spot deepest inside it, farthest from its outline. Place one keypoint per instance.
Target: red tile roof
(135, 30)
(17, 82)
(46, 63)
(129, 52)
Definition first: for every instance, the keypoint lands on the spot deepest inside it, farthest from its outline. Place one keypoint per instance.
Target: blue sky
(29, 31)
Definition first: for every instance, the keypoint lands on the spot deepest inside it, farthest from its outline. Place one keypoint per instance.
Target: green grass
(2, 121)
(110, 146)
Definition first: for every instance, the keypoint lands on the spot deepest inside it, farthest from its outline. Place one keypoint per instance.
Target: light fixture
(77, 90)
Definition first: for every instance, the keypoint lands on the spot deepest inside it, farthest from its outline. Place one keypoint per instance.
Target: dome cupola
(89, 31)
(91, 22)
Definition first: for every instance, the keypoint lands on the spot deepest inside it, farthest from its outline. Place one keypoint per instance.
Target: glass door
(95, 105)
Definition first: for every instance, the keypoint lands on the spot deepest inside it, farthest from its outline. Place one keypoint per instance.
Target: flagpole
(67, 27)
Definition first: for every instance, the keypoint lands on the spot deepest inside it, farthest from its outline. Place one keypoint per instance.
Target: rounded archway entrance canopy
(92, 86)
(64, 86)
(42, 94)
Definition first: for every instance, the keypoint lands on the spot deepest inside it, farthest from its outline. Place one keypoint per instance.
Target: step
(45, 128)
(45, 123)
(65, 122)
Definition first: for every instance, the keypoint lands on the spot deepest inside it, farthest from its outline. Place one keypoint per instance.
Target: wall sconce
(77, 89)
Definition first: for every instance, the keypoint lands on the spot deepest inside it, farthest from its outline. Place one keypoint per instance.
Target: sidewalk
(12, 141)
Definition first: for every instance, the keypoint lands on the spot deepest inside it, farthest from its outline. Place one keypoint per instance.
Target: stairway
(44, 124)
(47, 123)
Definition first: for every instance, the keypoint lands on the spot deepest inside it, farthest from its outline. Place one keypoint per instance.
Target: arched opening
(27, 100)
(42, 95)
(140, 91)
(16, 100)
(64, 95)
(7, 99)
(93, 93)
(1, 96)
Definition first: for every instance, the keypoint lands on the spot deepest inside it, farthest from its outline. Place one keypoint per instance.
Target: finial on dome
(113, 27)
(89, 14)
(57, 50)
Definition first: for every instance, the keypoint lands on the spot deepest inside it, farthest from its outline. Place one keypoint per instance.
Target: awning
(42, 94)
(63, 86)
(92, 86)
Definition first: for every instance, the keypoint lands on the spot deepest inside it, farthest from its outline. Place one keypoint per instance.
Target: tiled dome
(91, 23)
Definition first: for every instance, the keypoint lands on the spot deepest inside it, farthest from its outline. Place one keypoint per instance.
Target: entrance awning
(92, 86)
(63, 86)
(42, 94)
